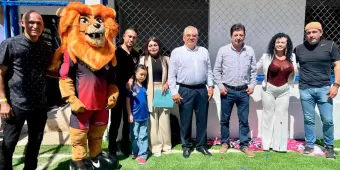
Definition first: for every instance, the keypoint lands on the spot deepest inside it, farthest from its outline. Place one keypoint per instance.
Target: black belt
(196, 86)
(236, 87)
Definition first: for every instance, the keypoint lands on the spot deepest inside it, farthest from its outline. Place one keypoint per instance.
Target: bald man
(23, 61)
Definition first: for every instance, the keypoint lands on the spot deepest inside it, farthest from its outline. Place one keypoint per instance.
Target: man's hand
(224, 91)
(210, 93)
(165, 88)
(6, 111)
(129, 84)
(333, 91)
(177, 98)
(130, 118)
(250, 91)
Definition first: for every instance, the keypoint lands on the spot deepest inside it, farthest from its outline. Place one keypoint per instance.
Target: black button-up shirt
(25, 79)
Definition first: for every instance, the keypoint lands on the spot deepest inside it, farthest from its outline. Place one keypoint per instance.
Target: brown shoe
(248, 152)
(224, 148)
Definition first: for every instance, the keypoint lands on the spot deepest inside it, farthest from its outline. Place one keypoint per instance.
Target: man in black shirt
(127, 60)
(23, 61)
(316, 57)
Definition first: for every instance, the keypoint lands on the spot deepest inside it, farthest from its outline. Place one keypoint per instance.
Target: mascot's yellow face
(87, 34)
(93, 29)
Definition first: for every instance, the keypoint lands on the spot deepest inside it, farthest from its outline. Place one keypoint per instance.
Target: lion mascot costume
(85, 61)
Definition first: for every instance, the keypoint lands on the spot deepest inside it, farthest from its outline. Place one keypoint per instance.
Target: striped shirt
(190, 67)
(234, 68)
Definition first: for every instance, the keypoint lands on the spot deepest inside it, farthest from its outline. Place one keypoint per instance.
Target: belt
(236, 87)
(196, 86)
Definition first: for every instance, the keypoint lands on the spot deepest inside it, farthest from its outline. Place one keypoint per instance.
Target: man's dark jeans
(241, 99)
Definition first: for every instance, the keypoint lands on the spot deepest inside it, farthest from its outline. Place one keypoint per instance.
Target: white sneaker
(168, 152)
(157, 154)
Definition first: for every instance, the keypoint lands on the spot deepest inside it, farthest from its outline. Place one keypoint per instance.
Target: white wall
(261, 18)
(296, 128)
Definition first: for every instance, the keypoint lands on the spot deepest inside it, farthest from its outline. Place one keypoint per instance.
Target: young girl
(137, 108)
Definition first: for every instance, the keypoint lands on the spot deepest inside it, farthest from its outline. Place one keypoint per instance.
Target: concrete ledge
(50, 138)
(58, 119)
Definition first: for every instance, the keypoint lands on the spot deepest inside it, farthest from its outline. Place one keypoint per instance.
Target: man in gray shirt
(235, 74)
(190, 68)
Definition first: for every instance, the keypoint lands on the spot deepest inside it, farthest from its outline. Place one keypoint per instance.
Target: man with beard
(316, 57)
(127, 60)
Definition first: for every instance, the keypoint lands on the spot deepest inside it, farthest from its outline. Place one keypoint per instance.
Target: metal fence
(327, 12)
(166, 20)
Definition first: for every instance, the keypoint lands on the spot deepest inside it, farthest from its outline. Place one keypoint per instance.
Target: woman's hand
(165, 88)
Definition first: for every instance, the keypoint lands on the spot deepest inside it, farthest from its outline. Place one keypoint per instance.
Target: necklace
(155, 60)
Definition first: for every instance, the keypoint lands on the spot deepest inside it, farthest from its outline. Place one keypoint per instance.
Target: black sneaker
(308, 150)
(104, 161)
(330, 154)
(81, 165)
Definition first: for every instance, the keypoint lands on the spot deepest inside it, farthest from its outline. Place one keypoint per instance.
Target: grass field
(57, 157)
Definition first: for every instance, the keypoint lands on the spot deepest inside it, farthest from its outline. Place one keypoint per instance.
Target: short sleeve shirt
(316, 63)
(138, 103)
(25, 79)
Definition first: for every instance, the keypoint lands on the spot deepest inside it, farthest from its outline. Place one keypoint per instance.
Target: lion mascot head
(87, 33)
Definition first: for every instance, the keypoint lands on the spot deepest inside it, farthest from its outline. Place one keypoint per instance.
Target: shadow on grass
(19, 162)
(53, 150)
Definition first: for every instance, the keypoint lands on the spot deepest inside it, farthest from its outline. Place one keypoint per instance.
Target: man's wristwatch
(211, 86)
(336, 85)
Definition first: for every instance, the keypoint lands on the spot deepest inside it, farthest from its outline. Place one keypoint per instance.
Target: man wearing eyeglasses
(190, 68)
(316, 57)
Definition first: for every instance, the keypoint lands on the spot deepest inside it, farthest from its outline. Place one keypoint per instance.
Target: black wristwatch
(336, 85)
(211, 86)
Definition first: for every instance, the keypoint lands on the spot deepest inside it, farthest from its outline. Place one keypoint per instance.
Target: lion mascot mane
(85, 61)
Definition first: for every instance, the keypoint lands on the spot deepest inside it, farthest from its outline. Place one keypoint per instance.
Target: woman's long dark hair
(146, 51)
(289, 47)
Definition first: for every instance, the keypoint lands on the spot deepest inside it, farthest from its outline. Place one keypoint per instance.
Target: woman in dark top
(279, 68)
(159, 124)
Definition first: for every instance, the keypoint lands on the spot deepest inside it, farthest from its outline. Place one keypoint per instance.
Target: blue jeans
(241, 99)
(139, 138)
(309, 98)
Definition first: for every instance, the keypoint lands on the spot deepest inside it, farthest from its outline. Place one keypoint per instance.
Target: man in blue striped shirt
(190, 68)
(235, 74)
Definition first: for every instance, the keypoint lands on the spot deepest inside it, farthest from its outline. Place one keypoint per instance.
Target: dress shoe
(204, 151)
(186, 152)
(224, 148)
(248, 152)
